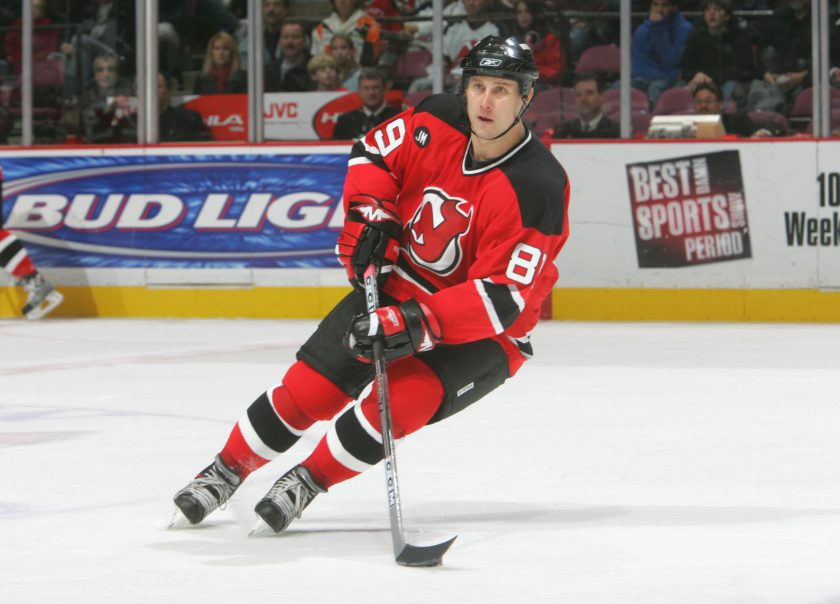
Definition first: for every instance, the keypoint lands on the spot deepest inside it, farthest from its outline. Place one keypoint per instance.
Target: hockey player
(465, 213)
(42, 298)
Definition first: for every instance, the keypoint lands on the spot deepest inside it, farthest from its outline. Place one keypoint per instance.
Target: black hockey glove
(371, 233)
(405, 329)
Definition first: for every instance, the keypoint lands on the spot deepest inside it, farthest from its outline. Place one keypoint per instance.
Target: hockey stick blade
(404, 553)
(424, 555)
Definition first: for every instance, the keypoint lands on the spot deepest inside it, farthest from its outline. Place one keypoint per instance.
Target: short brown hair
(711, 87)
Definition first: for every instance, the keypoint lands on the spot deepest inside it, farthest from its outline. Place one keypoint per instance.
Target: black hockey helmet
(496, 57)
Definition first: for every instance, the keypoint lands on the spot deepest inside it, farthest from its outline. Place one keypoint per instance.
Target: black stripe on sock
(268, 426)
(9, 252)
(355, 440)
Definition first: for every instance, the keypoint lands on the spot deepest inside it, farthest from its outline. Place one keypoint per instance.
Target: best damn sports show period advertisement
(177, 211)
(689, 210)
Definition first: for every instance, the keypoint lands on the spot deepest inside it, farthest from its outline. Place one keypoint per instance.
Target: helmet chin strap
(525, 105)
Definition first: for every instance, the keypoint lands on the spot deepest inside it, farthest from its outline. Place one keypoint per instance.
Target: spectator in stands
(348, 17)
(324, 73)
(591, 121)
(374, 111)
(274, 13)
(708, 100)
(175, 124)
(197, 20)
(717, 51)
(45, 41)
(184, 28)
(289, 72)
(531, 27)
(461, 36)
(587, 31)
(388, 14)
(657, 49)
(784, 58)
(104, 102)
(222, 71)
(421, 31)
(106, 27)
(341, 49)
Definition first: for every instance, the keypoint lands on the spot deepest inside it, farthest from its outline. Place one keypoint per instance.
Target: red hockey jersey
(479, 241)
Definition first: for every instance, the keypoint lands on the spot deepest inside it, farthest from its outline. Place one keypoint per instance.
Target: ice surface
(639, 463)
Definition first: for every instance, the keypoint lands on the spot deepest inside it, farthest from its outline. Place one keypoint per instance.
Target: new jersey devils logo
(436, 229)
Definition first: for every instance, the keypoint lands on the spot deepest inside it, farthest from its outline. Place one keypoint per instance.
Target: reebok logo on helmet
(489, 62)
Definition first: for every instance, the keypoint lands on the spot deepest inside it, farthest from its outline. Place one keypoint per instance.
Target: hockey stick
(404, 553)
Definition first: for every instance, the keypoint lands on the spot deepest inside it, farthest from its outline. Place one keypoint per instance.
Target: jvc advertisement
(177, 210)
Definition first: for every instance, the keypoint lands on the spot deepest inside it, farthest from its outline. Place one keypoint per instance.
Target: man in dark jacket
(718, 52)
(591, 121)
(289, 73)
(176, 124)
(374, 111)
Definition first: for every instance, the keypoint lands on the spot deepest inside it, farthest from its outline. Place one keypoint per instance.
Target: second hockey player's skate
(42, 298)
(206, 493)
(287, 499)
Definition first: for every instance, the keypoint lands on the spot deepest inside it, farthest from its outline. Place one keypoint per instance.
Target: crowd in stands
(754, 56)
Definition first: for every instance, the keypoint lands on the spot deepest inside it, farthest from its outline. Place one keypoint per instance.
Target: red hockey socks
(280, 416)
(354, 442)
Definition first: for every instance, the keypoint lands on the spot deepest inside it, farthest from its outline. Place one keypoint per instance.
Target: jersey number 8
(523, 263)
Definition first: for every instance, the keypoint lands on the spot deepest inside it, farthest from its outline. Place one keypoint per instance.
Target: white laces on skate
(290, 495)
(200, 489)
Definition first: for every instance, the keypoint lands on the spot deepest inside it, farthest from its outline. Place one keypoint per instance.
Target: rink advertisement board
(286, 115)
(658, 229)
(689, 210)
(177, 209)
(775, 204)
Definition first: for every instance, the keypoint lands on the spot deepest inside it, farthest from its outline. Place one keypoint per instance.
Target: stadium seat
(554, 99)
(769, 117)
(803, 103)
(675, 101)
(602, 58)
(412, 99)
(411, 65)
(612, 100)
(549, 108)
(639, 118)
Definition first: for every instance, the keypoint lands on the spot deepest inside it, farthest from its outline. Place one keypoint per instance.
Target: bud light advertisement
(270, 210)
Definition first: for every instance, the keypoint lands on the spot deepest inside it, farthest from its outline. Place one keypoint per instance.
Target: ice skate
(42, 298)
(287, 499)
(206, 493)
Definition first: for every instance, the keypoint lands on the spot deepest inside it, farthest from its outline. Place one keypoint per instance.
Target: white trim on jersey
(517, 297)
(253, 440)
(357, 161)
(521, 343)
(342, 455)
(408, 278)
(502, 159)
(488, 306)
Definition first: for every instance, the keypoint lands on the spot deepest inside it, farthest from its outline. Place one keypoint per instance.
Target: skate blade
(178, 521)
(261, 529)
(46, 306)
